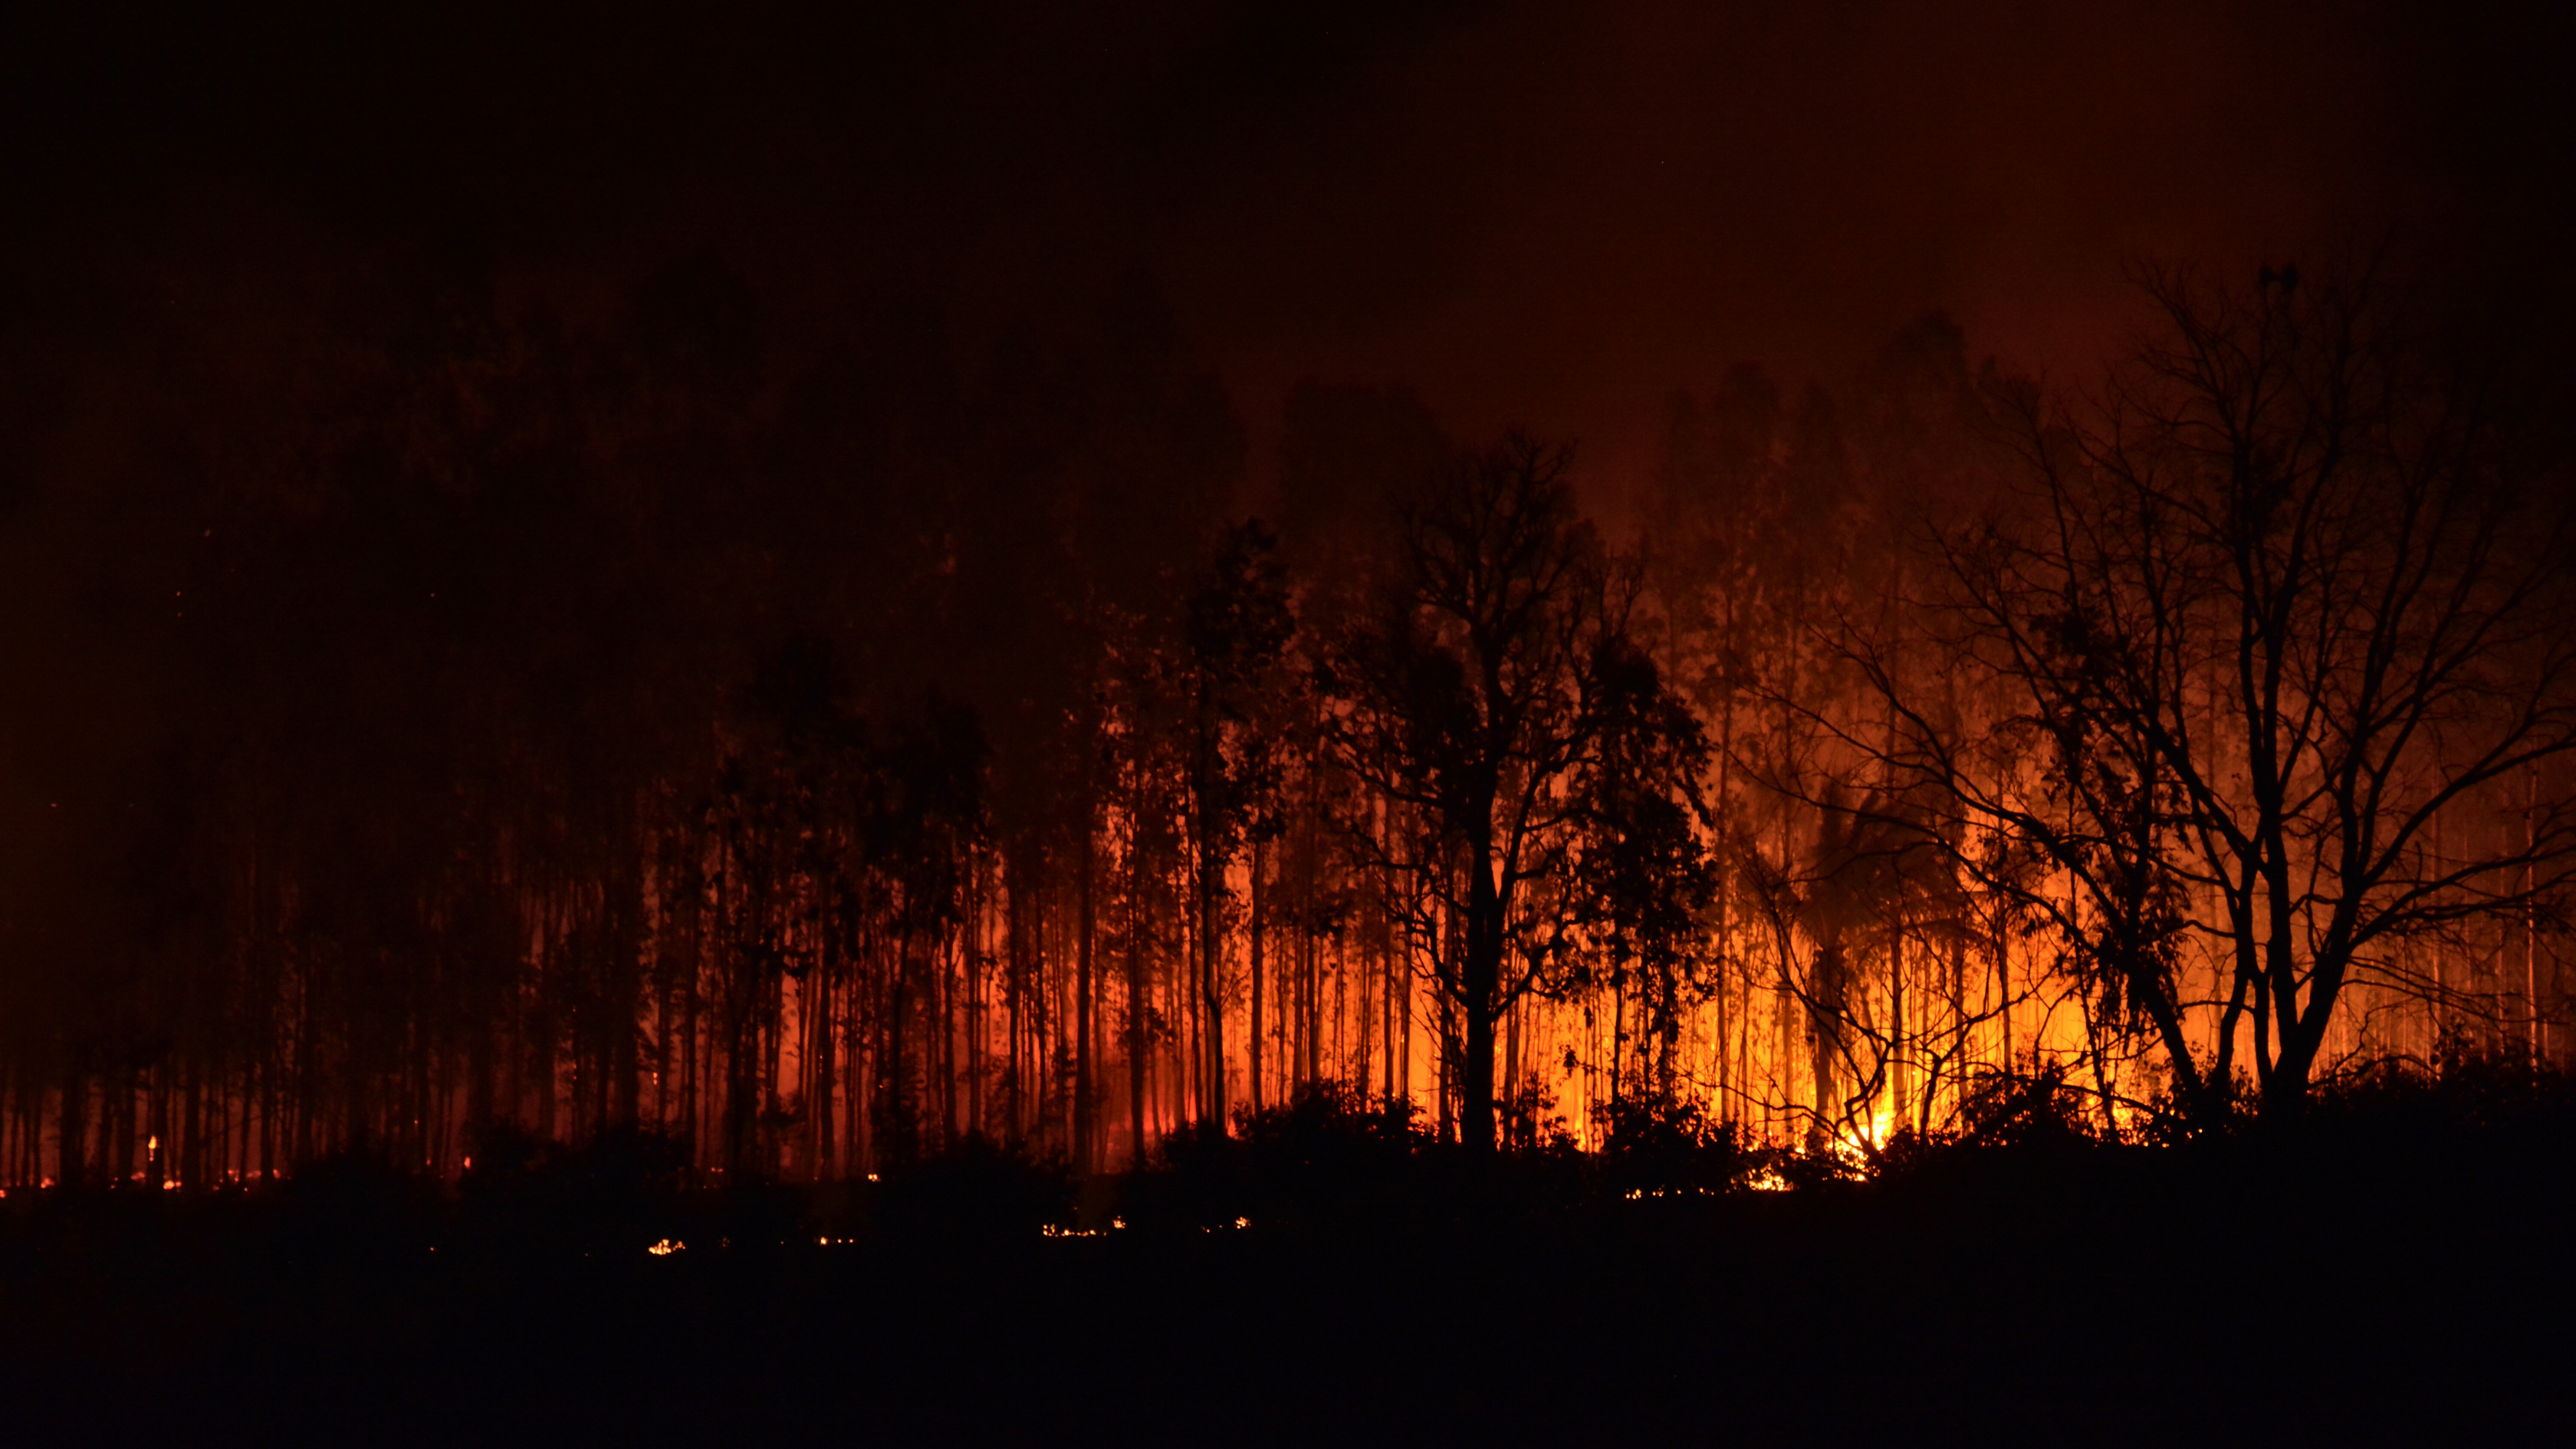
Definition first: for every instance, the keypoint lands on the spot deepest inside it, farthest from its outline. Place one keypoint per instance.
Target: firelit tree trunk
(73, 1125)
(1136, 1008)
(1668, 1034)
(1824, 1036)
(971, 959)
(1021, 991)
(814, 1016)
(1396, 973)
(1479, 992)
(1310, 991)
(939, 1056)
(899, 1121)
(1085, 1097)
(1252, 1032)
(1899, 1054)
(1211, 976)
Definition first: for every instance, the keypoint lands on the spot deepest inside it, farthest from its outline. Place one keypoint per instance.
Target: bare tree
(2283, 596)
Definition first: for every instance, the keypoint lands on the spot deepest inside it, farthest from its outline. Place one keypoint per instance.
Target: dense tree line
(436, 714)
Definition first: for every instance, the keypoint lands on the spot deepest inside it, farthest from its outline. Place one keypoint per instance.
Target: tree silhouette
(443, 722)
(1480, 693)
(2292, 594)
(1236, 635)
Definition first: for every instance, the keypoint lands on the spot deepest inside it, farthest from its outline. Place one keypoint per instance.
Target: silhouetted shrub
(1330, 1157)
(354, 1205)
(1652, 1147)
(1331, 1152)
(615, 1194)
(2024, 1110)
(977, 1189)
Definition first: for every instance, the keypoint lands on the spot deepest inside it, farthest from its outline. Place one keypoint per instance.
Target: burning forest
(814, 676)
(2190, 752)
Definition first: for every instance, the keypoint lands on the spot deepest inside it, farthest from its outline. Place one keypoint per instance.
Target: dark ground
(2390, 1276)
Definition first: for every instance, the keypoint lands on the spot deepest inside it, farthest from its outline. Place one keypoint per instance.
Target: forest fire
(1309, 721)
(1813, 888)
(1475, 813)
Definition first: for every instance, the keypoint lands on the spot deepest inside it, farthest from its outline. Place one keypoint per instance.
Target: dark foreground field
(2400, 1273)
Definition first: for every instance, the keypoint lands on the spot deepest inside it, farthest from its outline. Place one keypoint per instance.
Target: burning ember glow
(1057, 1230)
(1857, 1144)
(666, 1248)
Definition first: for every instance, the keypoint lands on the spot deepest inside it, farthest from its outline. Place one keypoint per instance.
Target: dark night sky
(1549, 213)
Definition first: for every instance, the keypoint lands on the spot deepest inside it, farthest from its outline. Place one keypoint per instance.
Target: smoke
(1551, 214)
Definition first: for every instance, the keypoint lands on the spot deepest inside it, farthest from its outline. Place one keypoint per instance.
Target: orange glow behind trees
(566, 734)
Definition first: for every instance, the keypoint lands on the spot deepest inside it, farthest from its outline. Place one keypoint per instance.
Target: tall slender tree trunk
(1136, 1008)
(73, 1126)
(1899, 1057)
(1824, 1029)
(1085, 1099)
(1211, 1032)
(1252, 1035)
(2003, 988)
(1480, 977)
